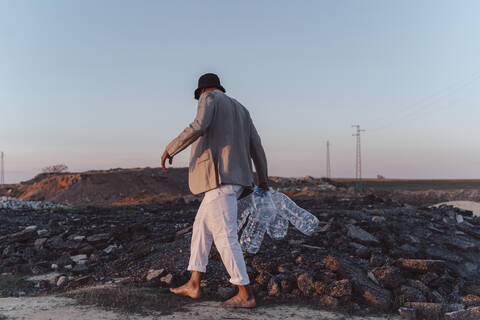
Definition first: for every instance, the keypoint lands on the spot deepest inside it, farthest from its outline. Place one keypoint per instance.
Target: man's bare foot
(187, 290)
(238, 302)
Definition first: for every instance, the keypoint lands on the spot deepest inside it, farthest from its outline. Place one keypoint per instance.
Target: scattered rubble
(15, 204)
(367, 255)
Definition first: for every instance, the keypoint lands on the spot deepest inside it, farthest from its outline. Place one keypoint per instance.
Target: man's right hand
(263, 185)
(166, 156)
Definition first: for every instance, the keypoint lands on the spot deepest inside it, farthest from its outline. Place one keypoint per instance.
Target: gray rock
(56, 243)
(372, 277)
(167, 279)
(22, 236)
(42, 232)
(459, 218)
(154, 274)
(31, 228)
(378, 219)
(110, 248)
(61, 281)
(98, 238)
(79, 259)
(408, 250)
(362, 236)
(40, 242)
(80, 268)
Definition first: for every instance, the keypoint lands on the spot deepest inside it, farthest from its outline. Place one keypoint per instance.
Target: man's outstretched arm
(191, 133)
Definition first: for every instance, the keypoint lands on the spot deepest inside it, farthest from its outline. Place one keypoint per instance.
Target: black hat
(208, 80)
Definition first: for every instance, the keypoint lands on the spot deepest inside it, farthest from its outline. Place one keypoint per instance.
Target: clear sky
(107, 84)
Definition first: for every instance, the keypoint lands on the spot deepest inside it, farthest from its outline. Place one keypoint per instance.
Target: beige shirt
(224, 143)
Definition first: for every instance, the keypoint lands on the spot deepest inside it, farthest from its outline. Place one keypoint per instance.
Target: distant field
(414, 185)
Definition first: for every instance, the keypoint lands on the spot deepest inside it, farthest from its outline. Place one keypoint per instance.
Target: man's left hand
(166, 156)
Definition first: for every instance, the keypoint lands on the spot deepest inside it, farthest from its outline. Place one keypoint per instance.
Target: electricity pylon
(358, 153)
(329, 169)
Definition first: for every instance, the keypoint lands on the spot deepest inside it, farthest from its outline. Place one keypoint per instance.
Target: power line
(329, 169)
(358, 153)
(427, 102)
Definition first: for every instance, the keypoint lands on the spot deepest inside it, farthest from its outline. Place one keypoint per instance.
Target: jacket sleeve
(197, 128)
(258, 155)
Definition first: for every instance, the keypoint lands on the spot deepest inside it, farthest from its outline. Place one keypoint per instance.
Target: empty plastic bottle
(300, 218)
(244, 209)
(270, 212)
(258, 220)
(278, 226)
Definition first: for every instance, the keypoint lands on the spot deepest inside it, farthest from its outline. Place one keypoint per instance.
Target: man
(224, 143)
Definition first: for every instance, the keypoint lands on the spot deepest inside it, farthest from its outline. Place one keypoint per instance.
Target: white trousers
(216, 220)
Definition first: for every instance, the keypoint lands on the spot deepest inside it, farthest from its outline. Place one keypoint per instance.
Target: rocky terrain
(368, 255)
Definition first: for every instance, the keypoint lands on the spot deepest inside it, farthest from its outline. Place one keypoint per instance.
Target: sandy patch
(52, 308)
(466, 205)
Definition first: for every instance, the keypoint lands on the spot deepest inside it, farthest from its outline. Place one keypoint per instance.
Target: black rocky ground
(368, 254)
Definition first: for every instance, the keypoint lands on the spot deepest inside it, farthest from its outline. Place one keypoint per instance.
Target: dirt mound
(137, 186)
(107, 187)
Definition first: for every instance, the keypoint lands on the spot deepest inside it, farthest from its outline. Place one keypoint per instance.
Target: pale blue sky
(106, 84)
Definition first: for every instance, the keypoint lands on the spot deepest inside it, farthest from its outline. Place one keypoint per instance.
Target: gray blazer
(224, 143)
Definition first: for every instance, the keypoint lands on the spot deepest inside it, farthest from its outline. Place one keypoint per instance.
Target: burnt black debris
(368, 254)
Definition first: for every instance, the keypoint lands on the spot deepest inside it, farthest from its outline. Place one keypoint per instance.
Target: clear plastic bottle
(258, 220)
(244, 209)
(278, 226)
(300, 218)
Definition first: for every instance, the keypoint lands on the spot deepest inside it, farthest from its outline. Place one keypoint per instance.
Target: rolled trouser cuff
(197, 268)
(240, 282)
